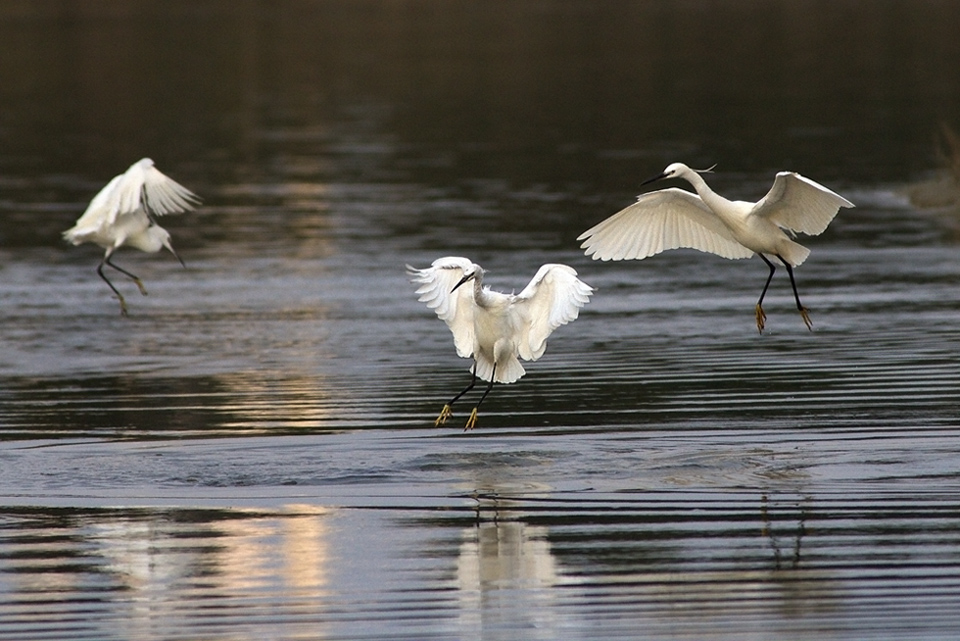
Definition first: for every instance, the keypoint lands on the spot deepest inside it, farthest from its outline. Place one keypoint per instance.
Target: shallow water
(250, 454)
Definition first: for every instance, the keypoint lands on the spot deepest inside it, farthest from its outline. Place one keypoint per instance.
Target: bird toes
(761, 318)
(472, 421)
(445, 413)
(806, 318)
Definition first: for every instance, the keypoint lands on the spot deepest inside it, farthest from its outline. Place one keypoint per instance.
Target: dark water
(250, 455)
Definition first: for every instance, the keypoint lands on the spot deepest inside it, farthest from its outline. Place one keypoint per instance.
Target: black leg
(761, 316)
(473, 381)
(773, 269)
(796, 296)
(446, 412)
(123, 303)
(489, 387)
(472, 421)
(133, 277)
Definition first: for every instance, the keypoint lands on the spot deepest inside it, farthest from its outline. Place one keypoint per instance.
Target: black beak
(176, 255)
(462, 281)
(654, 179)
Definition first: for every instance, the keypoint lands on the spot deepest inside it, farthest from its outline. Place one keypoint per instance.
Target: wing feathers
(163, 195)
(800, 204)
(553, 298)
(141, 187)
(455, 309)
(658, 221)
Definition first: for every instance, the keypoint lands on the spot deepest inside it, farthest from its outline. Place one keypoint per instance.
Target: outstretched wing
(658, 221)
(799, 204)
(142, 186)
(161, 194)
(453, 307)
(553, 298)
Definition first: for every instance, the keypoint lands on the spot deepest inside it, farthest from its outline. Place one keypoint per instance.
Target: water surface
(251, 454)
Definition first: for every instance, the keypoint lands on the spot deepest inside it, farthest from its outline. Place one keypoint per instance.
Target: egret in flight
(494, 328)
(124, 213)
(672, 218)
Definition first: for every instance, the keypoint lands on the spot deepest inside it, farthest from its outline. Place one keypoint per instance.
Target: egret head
(475, 273)
(676, 170)
(673, 170)
(160, 237)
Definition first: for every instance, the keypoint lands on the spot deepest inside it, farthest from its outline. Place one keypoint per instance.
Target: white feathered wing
(661, 220)
(553, 298)
(454, 308)
(140, 190)
(800, 204)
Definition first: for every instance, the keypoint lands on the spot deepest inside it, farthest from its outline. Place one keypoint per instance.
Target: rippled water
(251, 453)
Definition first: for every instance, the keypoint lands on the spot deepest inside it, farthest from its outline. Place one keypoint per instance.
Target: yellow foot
(472, 421)
(806, 318)
(761, 318)
(445, 413)
(143, 290)
(123, 306)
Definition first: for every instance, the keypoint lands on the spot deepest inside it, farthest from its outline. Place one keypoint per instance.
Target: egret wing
(163, 195)
(455, 308)
(126, 193)
(553, 298)
(101, 212)
(658, 221)
(800, 204)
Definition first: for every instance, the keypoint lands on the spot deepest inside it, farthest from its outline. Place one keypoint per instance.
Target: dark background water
(251, 453)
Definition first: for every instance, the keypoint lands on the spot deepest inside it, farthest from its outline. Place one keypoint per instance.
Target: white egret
(124, 213)
(672, 218)
(494, 328)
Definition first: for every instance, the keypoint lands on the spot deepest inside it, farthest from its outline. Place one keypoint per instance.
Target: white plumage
(673, 218)
(123, 213)
(497, 329)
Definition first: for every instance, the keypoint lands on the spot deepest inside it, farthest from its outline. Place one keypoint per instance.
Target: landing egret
(672, 218)
(124, 213)
(494, 328)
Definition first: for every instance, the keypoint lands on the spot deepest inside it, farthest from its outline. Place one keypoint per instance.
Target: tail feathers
(507, 372)
(793, 253)
(76, 236)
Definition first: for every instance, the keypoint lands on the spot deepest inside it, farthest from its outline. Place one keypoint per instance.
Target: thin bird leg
(761, 315)
(472, 421)
(143, 290)
(446, 412)
(123, 303)
(796, 296)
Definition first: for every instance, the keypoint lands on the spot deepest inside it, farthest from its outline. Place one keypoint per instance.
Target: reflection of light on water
(283, 553)
(270, 558)
(290, 402)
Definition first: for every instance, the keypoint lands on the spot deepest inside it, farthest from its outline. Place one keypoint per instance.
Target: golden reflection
(275, 557)
(287, 551)
(263, 402)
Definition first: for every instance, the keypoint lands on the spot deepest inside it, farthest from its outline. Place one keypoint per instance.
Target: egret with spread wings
(124, 213)
(672, 218)
(497, 329)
